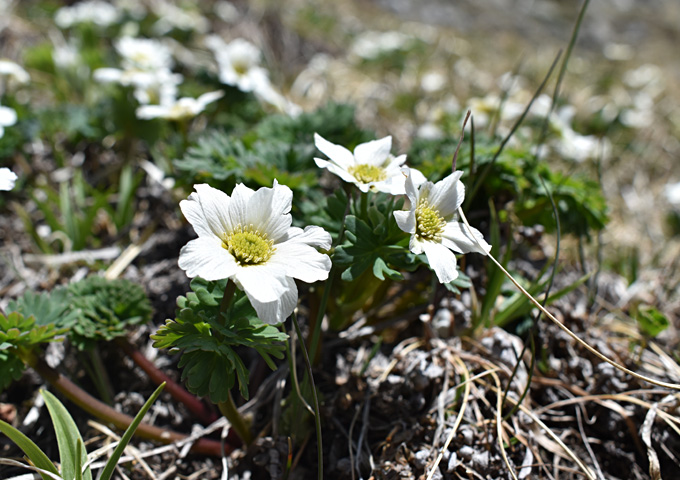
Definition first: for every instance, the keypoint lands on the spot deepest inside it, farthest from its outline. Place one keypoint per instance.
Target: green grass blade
(67, 437)
(32, 451)
(125, 439)
(79, 460)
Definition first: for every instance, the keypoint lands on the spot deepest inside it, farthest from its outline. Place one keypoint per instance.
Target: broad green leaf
(67, 437)
(31, 450)
(125, 439)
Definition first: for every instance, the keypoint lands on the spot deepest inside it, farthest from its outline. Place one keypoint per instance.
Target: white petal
(238, 208)
(311, 235)
(269, 210)
(107, 75)
(415, 245)
(412, 192)
(374, 152)
(457, 237)
(417, 177)
(191, 208)
(205, 257)
(337, 153)
(216, 208)
(398, 160)
(337, 170)
(447, 194)
(8, 116)
(277, 311)
(7, 178)
(149, 112)
(406, 220)
(301, 261)
(209, 97)
(442, 261)
(265, 282)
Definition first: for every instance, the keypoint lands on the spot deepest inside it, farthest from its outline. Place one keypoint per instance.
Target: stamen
(429, 224)
(248, 245)
(367, 173)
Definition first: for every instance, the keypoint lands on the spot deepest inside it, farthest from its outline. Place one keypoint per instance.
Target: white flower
(171, 16)
(432, 223)
(181, 109)
(370, 45)
(672, 192)
(238, 62)
(99, 12)
(145, 54)
(7, 179)
(14, 71)
(8, 117)
(371, 167)
(249, 239)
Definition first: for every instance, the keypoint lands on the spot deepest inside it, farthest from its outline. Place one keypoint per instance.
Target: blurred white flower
(370, 167)
(485, 109)
(370, 45)
(146, 67)
(7, 179)
(8, 117)
(66, 56)
(14, 71)
(249, 239)
(98, 12)
(145, 54)
(672, 192)
(171, 17)
(181, 109)
(433, 226)
(226, 11)
(238, 62)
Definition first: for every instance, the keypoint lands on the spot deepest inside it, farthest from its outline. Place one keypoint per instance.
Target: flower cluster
(248, 237)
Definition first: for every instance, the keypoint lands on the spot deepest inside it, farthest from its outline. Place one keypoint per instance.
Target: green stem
(229, 410)
(364, 205)
(228, 407)
(227, 297)
(107, 414)
(317, 412)
(100, 377)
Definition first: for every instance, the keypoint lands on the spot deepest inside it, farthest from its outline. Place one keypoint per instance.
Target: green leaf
(67, 437)
(32, 451)
(125, 439)
(651, 322)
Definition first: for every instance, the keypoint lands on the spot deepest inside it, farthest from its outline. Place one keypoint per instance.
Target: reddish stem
(104, 412)
(194, 404)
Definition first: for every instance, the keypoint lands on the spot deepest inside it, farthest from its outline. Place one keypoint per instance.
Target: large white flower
(185, 107)
(7, 179)
(370, 167)
(249, 239)
(432, 223)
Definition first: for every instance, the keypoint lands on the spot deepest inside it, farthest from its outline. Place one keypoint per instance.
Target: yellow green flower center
(429, 224)
(248, 245)
(367, 173)
(241, 66)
